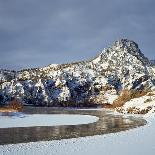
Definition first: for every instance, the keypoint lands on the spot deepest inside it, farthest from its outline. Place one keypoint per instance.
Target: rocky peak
(152, 62)
(123, 52)
(131, 47)
(125, 48)
(122, 43)
(123, 61)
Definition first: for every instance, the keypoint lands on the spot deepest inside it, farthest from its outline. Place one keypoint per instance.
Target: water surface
(107, 123)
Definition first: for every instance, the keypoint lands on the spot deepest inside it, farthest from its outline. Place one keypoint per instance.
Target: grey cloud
(36, 33)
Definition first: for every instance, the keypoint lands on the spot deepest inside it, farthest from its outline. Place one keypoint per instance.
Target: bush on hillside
(127, 95)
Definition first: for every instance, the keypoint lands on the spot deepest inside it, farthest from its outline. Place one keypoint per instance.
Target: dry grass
(13, 106)
(134, 110)
(127, 95)
(150, 94)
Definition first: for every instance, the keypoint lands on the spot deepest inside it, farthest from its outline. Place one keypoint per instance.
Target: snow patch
(45, 120)
(136, 141)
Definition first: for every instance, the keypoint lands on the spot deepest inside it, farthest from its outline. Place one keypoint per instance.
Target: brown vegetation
(13, 106)
(134, 110)
(150, 94)
(127, 95)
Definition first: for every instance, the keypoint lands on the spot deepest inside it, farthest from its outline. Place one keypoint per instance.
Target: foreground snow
(136, 141)
(141, 105)
(45, 120)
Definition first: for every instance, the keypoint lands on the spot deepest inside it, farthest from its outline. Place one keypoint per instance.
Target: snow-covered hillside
(97, 81)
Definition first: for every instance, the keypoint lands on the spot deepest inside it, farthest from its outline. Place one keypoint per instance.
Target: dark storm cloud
(36, 33)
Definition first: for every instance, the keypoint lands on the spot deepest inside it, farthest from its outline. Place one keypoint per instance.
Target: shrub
(127, 95)
(14, 104)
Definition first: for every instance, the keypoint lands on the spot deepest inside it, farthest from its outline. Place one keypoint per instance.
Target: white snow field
(139, 141)
(45, 120)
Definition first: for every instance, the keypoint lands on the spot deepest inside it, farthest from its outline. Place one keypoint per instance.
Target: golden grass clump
(127, 95)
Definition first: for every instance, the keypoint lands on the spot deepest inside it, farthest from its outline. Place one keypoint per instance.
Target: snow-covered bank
(140, 105)
(136, 141)
(45, 120)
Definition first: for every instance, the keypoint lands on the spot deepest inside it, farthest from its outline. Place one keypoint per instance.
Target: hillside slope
(86, 83)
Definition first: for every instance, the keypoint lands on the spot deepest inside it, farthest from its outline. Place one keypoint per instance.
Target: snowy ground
(22, 120)
(133, 142)
(139, 105)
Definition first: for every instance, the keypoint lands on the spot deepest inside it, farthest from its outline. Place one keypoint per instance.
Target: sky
(36, 33)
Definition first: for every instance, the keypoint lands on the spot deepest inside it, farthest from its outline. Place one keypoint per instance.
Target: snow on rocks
(122, 66)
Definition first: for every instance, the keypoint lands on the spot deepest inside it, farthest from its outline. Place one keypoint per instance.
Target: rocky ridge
(85, 83)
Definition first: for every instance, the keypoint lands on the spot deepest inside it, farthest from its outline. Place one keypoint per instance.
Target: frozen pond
(32, 120)
(138, 141)
(50, 123)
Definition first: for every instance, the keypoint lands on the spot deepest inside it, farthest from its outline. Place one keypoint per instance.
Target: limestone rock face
(97, 81)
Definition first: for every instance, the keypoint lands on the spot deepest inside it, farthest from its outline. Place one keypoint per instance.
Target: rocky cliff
(97, 81)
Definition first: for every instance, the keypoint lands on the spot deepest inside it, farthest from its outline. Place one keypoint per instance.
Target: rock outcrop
(85, 83)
